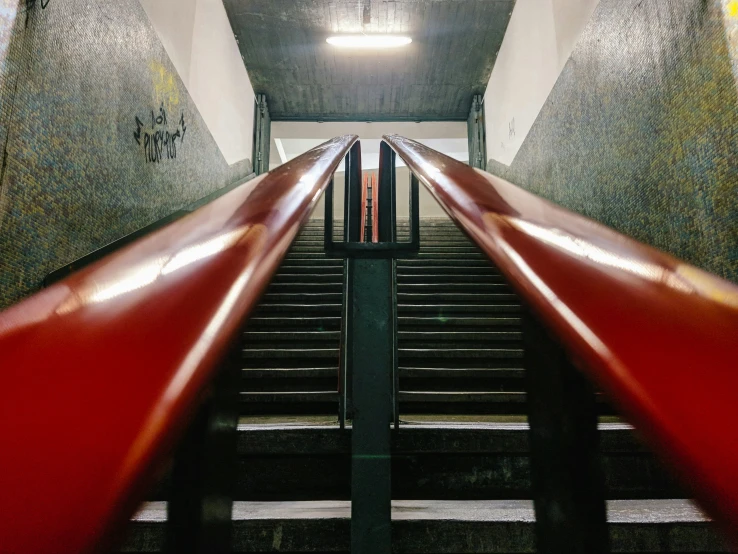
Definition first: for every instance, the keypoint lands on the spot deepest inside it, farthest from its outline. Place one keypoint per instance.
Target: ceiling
(455, 43)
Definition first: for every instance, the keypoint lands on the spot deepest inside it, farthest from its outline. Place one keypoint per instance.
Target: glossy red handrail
(658, 335)
(101, 372)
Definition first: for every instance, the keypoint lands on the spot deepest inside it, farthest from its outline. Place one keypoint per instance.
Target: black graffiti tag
(159, 143)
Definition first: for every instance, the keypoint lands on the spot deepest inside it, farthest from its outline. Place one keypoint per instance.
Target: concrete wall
(80, 83)
(640, 130)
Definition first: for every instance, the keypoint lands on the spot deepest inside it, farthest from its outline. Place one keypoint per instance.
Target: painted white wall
(219, 83)
(539, 40)
(449, 137)
(199, 40)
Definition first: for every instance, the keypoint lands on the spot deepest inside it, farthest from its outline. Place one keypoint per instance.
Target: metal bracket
(388, 246)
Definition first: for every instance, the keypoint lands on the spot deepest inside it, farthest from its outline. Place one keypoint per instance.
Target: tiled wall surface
(103, 137)
(641, 130)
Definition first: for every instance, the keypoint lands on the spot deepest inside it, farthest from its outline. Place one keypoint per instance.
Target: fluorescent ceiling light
(368, 41)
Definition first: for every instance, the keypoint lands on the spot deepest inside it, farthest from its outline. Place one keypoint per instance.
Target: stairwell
(460, 468)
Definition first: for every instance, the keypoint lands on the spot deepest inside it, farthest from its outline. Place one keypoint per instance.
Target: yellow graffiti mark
(732, 8)
(166, 91)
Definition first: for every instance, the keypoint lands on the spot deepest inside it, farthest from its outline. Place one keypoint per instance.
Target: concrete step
(461, 397)
(438, 260)
(299, 252)
(315, 323)
(307, 275)
(418, 277)
(275, 374)
(293, 308)
(256, 402)
(464, 288)
(272, 297)
(460, 353)
(448, 376)
(450, 310)
(456, 297)
(290, 337)
(282, 353)
(334, 274)
(310, 376)
(443, 460)
(318, 246)
(331, 287)
(469, 401)
(434, 271)
(297, 266)
(408, 323)
(438, 527)
(436, 337)
(311, 259)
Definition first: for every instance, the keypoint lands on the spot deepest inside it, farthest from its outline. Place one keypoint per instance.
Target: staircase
(291, 344)
(460, 473)
(459, 331)
(460, 342)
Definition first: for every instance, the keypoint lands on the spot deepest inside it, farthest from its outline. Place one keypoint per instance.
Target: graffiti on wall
(159, 140)
(30, 4)
(165, 85)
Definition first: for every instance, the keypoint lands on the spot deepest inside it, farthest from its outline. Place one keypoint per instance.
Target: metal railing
(125, 355)
(657, 335)
(103, 371)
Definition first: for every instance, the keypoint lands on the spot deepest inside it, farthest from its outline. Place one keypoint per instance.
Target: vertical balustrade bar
(386, 201)
(364, 191)
(567, 480)
(200, 505)
(352, 203)
(375, 208)
(351, 233)
(414, 210)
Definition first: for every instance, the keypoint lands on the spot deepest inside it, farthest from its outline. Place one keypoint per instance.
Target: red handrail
(658, 335)
(101, 372)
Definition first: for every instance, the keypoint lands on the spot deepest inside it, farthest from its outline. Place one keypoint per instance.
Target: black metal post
(369, 342)
(352, 201)
(387, 194)
(567, 480)
(414, 210)
(342, 366)
(200, 504)
(371, 357)
(328, 217)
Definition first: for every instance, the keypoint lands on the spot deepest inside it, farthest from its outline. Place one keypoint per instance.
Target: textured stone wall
(102, 136)
(641, 130)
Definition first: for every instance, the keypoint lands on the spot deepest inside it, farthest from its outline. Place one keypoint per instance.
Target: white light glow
(368, 41)
(136, 278)
(204, 250)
